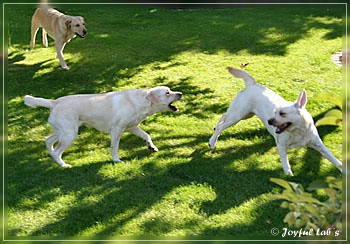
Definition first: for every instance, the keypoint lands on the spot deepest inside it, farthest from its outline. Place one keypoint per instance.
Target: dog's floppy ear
(68, 23)
(152, 97)
(302, 100)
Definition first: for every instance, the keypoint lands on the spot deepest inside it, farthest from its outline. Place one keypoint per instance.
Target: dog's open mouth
(282, 127)
(178, 96)
(81, 36)
(172, 107)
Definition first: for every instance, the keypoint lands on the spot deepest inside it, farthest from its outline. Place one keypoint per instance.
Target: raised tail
(238, 73)
(38, 102)
(44, 4)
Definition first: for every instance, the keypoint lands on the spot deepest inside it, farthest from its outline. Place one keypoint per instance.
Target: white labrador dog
(62, 28)
(289, 123)
(113, 113)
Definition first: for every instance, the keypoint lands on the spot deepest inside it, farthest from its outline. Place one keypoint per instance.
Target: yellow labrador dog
(113, 113)
(62, 28)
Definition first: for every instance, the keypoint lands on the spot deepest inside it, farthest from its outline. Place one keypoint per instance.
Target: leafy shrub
(306, 211)
(333, 116)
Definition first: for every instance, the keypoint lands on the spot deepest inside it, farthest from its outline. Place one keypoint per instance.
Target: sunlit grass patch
(185, 189)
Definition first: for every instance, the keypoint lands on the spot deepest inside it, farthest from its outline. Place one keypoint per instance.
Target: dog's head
(77, 25)
(289, 117)
(161, 98)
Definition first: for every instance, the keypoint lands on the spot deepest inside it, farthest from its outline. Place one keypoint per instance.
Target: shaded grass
(184, 189)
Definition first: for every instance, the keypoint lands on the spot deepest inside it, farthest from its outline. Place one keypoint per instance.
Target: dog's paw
(65, 67)
(66, 165)
(212, 146)
(117, 160)
(153, 148)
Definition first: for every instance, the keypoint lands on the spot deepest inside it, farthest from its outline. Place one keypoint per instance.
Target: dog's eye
(282, 114)
(77, 25)
(167, 93)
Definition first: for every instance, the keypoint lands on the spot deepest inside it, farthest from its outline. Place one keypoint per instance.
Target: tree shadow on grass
(126, 35)
(120, 201)
(113, 203)
(267, 215)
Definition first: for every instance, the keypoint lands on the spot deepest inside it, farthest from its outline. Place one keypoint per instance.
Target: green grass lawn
(184, 190)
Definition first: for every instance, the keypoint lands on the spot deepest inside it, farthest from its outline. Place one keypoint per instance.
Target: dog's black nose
(270, 121)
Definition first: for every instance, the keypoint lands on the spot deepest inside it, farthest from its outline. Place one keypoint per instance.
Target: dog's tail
(238, 73)
(38, 102)
(44, 4)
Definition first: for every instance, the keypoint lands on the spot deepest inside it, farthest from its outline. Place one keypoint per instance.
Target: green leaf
(298, 188)
(282, 183)
(330, 192)
(328, 121)
(290, 218)
(280, 197)
(307, 198)
(316, 185)
(334, 113)
(312, 209)
(311, 225)
(334, 182)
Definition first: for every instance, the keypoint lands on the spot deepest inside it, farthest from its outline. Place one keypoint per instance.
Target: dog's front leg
(34, 31)
(44, 37)
(319, 146)
(116, 133)
(144, 135)
(59, 52)
(282, 150)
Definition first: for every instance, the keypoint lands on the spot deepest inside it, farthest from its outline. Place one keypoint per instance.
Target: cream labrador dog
(62, 28)
(113, 113)
(288, 122)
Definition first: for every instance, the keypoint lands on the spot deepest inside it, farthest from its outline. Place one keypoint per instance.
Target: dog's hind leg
(57, 155)
(50, 141)
(65, 133)
(64, 141)
(319, 146)
(236, 112)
